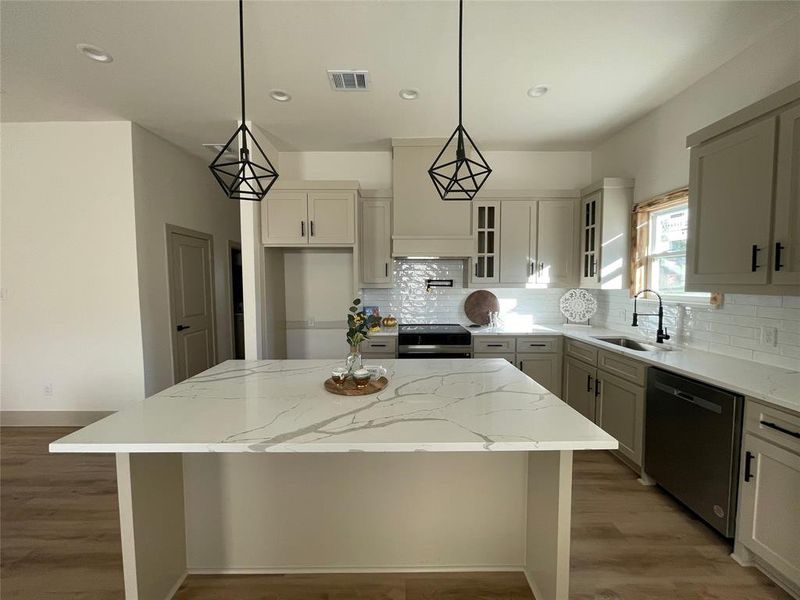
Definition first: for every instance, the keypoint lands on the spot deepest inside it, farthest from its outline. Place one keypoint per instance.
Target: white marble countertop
(450, 405)
(774, 385)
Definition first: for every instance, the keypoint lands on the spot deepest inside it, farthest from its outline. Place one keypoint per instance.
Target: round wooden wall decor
(478, 305)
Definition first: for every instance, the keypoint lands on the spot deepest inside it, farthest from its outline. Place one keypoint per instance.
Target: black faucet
(661, 333)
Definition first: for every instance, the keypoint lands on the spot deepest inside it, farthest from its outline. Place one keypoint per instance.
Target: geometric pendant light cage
(252, 175)
(459, 170)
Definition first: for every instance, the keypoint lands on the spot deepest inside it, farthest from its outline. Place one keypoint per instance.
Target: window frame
(642, 259)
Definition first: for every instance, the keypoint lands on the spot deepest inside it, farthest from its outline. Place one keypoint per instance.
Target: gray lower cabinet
(620, 412)
(768, 521)
(609, 389)
(545, 369)
(579, 379)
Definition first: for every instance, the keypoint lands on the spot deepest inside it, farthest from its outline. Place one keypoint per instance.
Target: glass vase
(353, 361)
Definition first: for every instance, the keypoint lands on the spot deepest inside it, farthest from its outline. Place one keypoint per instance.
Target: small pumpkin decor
(390, 321)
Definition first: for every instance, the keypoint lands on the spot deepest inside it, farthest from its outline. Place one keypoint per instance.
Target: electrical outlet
(48, 389)
(311, 322)
(769, 335)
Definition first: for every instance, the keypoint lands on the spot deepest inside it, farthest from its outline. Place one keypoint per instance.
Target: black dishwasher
(692, 441)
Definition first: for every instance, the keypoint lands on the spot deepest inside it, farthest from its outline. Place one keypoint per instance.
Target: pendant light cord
(241, 64)
(460, 35)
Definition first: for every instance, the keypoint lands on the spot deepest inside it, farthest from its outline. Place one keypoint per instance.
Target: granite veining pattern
(458, 405)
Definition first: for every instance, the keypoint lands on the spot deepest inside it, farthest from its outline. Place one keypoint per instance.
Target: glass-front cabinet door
(486, 228)
(590, 240)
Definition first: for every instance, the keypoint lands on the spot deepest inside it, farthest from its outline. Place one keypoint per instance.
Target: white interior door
(192, 303)
(331, 218)
(515, 244)
(556, 264)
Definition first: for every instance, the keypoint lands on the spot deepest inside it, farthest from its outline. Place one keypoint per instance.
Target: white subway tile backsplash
(409, 301)
(734, 329)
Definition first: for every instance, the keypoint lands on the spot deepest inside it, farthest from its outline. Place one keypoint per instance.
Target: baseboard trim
(537, 593)
(51, 418)
(350, 570)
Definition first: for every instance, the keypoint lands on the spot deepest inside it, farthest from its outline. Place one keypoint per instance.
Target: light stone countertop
(774, 385)
(449, 405)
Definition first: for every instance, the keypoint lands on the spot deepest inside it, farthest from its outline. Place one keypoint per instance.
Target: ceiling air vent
(348, 80)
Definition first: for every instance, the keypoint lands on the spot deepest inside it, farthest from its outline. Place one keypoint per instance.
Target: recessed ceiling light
(95, 53)
(280, 95)
(409, 94)
(538, 90)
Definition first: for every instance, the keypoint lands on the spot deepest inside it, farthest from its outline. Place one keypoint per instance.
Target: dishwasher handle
(686, 397)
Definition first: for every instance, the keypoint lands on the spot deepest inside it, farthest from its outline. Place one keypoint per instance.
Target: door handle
(777, 427)
(754, 258)
(748, 462)
(311, 227)
(182, 327)
(302, 229)
(778, 248)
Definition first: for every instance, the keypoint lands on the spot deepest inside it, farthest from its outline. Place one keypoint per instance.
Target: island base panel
(269, 513)
(152, 524)
(547, 543)
(255, 513)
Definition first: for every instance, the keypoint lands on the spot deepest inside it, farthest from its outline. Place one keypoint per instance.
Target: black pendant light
(250, 177)
(454, 173)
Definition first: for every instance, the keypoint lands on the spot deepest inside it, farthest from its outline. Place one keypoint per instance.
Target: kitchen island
(252, 467)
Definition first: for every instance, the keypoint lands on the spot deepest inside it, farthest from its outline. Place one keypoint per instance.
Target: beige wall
(70, 315)
(653, 150)
(172, 187)
(515, 170)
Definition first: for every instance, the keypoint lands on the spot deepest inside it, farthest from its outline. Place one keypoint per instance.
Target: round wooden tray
(349, 388)
(478, 304)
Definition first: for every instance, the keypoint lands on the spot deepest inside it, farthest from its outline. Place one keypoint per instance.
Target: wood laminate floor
(59, 538)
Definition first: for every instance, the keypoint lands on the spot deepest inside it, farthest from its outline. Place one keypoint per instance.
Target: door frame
(209, 239)
(232, 245)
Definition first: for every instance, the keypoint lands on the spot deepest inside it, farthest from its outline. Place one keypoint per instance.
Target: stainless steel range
(434, 341)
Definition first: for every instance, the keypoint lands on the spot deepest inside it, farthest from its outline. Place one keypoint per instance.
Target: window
(658, 251)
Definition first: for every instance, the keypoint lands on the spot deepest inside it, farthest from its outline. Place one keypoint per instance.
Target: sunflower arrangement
(359, 324)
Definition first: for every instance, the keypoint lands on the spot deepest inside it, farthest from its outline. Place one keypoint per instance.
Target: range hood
(424, 225)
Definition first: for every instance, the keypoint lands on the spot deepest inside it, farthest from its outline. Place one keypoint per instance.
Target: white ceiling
(175, 68)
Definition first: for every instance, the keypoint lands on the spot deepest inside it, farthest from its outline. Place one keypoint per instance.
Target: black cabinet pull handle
(778, 263)
(597, 383)
(494, 345)
(302, 229)
(311, 226)
(537, 345)
(386, 269)
(182, 327)
(754, 258)
(777, 427)
(476, 269)
(378, 345)
(588, 383)
(748, 461)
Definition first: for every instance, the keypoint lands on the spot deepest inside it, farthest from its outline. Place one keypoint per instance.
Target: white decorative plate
(578, 305)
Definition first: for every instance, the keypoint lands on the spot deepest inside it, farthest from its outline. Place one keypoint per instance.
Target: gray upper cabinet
(786, 245)
(744, 200)
(376, 242)
(604, 233)
(730, 194)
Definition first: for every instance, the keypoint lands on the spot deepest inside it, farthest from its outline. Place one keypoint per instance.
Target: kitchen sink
(632, 344)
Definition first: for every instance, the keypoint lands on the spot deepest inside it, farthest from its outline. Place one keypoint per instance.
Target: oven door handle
(696, 400)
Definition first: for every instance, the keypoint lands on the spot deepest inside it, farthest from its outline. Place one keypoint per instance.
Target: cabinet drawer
(538, 344)
(373, 358)
(622, 366)
(385, 344)
(772, 424)
(509, 356)
(491, 343)
(585, 352)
